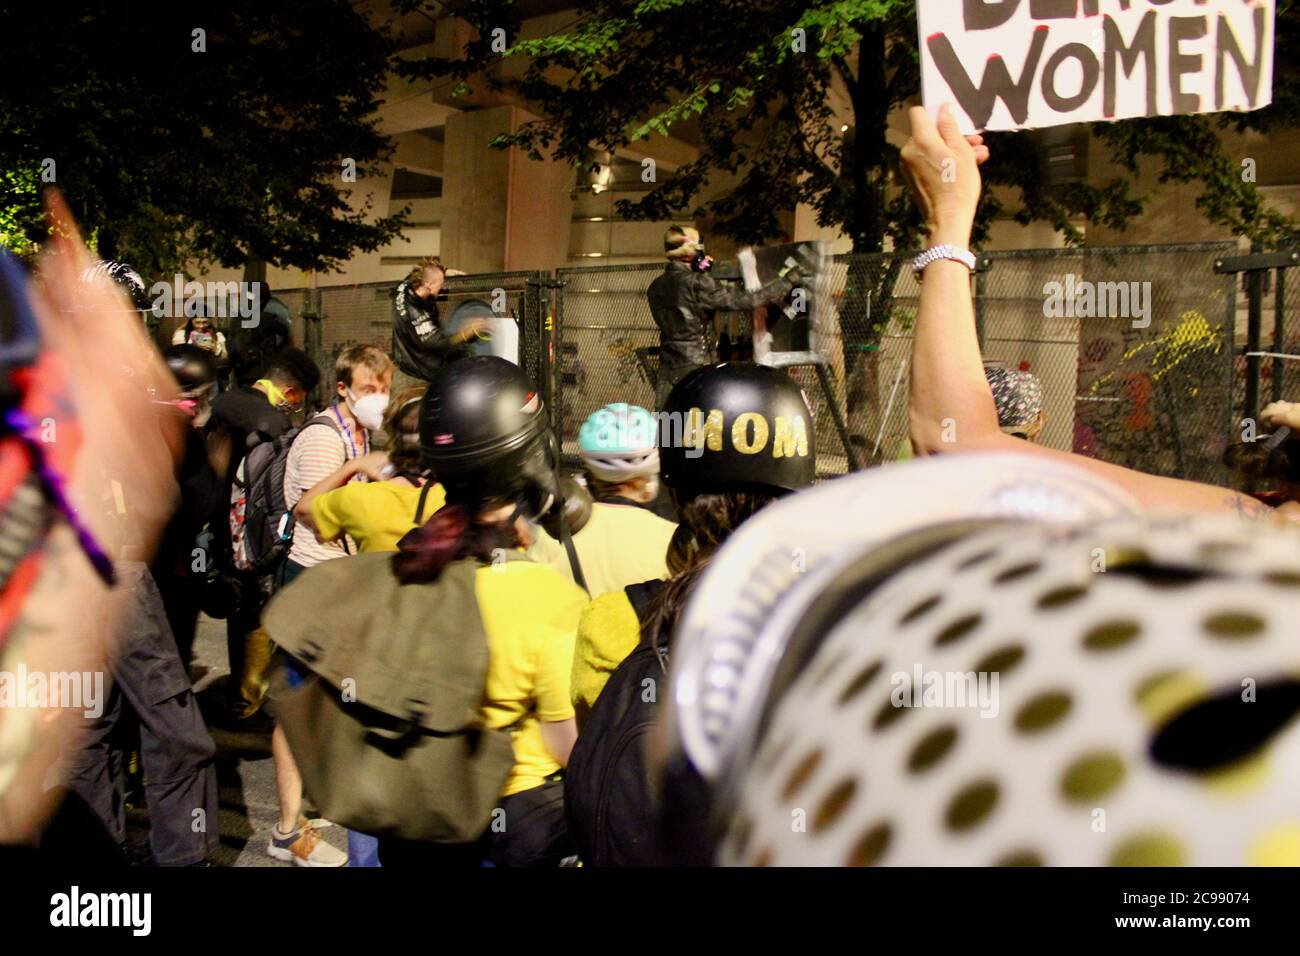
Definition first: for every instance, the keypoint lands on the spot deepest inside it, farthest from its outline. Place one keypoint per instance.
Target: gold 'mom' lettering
(700, 432)
(791, 438)
(740, 433)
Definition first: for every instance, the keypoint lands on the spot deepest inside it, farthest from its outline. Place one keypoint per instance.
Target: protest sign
(1018, 64)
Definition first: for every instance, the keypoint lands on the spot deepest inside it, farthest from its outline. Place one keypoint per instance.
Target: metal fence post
(1279, 328)
(1254, 326)
(982, 265)
(532, 329)
(555, 346)
(313, 319)
(1256, 265)
(1230, 342)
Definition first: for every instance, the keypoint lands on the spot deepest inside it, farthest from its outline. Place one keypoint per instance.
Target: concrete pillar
(501, 210)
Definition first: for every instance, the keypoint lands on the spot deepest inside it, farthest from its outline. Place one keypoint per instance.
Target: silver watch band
(943, 251)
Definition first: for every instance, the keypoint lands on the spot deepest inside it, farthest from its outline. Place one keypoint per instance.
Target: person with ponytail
(735, 438)
(483, 433)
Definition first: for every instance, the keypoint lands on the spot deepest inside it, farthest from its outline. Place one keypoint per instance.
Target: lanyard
(348, 431)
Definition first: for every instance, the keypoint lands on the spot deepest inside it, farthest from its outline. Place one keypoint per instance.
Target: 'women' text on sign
(1013, 64)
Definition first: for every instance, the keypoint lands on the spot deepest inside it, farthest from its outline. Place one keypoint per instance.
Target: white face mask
(369, 410)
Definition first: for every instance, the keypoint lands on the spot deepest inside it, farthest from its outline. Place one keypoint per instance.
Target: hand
(796, 274)
(942, 166)
(372, 465)
(473, 329)
(1281, 415)
(70, 621)
(1287, 512)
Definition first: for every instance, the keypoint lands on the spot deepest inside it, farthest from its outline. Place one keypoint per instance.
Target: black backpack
(606, 791)
(261, 522)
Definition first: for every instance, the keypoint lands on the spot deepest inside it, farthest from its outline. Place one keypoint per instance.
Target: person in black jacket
(684, 301)
(421, 347)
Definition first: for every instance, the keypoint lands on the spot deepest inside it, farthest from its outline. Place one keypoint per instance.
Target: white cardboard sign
(1018, 64)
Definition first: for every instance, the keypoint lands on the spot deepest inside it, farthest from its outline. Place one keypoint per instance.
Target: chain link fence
(1283, 371)
(1149, 386)
(329, 319)
(1137, 348)
(1133, 346)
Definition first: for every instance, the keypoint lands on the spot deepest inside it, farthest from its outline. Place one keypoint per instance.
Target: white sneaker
(304, 847)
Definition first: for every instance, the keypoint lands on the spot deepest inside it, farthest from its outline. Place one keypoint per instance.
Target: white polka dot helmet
(1115, 693)
(729, 640)
(743, 626)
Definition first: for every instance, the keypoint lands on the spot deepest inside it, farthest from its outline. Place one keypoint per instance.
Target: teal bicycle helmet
(617, 443)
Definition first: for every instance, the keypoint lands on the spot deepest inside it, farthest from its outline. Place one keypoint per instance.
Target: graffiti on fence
(1140, 407)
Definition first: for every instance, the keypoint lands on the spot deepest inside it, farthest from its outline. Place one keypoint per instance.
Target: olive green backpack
(386, 730)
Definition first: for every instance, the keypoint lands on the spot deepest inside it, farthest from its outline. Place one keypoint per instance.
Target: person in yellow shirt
(714, 488)
(483, 432)
(622, 542)
(376, 513)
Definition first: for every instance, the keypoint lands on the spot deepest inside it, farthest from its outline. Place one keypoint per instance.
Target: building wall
(501, 211)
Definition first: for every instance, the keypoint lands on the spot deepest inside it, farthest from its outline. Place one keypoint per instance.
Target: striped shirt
(316, 453)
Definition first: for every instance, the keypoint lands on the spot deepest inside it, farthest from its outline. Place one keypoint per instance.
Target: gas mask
(700, 262)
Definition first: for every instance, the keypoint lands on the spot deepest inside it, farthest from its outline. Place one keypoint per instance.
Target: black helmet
(127, 279)
(484, 433)
(736, 424)
(194, 369)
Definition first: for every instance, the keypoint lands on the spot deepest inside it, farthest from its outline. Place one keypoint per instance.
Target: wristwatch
(943, 251)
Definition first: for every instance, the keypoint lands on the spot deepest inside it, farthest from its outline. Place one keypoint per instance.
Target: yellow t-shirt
(374, 513)
(619, 545)
(530, 614)
(608, 631)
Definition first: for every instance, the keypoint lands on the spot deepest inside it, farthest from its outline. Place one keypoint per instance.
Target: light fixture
(599, 177)
(844, 128)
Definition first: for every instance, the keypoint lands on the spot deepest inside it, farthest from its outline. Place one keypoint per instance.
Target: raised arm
(951, 407)
(734, 297)
(372, 465)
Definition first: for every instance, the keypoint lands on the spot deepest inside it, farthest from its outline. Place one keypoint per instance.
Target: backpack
(261, 521)
(606, 791)
(386, 728)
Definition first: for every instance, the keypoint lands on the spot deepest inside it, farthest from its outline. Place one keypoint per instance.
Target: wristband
(943, 251)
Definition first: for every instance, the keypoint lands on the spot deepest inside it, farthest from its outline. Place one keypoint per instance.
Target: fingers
(924, 133)
(951, 132)
(113, 373)
(1277, 414)
(1287, 513)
